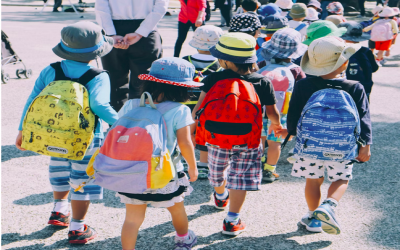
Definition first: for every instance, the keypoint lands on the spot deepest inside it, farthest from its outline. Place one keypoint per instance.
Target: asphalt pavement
(368, 213)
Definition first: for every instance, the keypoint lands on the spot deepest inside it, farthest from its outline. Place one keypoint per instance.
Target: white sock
(310, 214)
(61, 206)
(222, 196)
(76, 225)
(334, 203)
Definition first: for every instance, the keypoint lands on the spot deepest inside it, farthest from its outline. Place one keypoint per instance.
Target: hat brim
(269, 51)
(235, 59)
(85, 57)
(318, 8)
(320, 71)
(201, 46)
(339, 32)
(188, 84)
(297, 16)
(361, 38)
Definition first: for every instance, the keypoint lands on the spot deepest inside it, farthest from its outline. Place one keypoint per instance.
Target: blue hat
(172, 70)
(273, 23)
(269, 9)
(285, 43)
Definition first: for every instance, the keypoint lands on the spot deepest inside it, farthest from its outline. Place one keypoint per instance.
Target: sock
(222, 196)
(76, 225)
(202, 164)
(310, 214)
(232, 217)
(182, 235)
(61, 206)
(270, 168)
(332, 202)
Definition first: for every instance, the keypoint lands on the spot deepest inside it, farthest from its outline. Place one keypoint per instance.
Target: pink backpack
(382, 31)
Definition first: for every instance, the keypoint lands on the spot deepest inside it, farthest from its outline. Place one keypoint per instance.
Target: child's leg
(179, 218)
(273, 152)
(204, 156)
(202, 165)
(134, 218)
(337, 189)
(237, 198)
(379, 56)
(218, 160)
(313, 193)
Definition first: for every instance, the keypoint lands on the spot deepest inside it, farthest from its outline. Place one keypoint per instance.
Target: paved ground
(369, 212)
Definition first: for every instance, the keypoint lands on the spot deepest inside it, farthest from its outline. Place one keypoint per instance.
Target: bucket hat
(354, 32)
(298, 10)
(236, 47)
(205, 37)
(335, 19)
(320, 29)
(273, 23)
(269, 9)
(396, 11)
(376, 10)
(284, 4)
(312, 15)
(285, 43)
(83, 41)
(244, 22)
(326, 55)
(172, 70)
(387, 12)
(336, 8)
(316, 4)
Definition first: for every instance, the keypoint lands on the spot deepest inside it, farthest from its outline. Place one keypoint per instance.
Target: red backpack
(230, 116)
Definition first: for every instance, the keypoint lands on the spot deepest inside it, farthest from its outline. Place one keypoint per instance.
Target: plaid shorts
(241, 168)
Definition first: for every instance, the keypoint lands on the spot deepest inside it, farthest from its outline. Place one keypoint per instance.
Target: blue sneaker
(327, 216)
(311, 224)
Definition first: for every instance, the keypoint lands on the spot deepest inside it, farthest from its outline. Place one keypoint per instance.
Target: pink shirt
(190, 10)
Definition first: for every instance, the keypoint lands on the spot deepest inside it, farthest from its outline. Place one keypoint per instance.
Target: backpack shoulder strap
(59, 72)
(300, 27)
(89, 75)
(346, 84)
(260, 41)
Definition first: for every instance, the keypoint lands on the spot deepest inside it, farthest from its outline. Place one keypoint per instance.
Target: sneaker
(326, 215)
(220, 204)
(81, 237)
(59, 219)
(203, 172)
(311, 224)
(231, 229)
(379, 63)
(383, 61)
(269, 176)
(185, 243)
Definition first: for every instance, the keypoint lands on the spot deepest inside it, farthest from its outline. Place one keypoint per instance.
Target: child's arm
(366, 29)
(187, 150)
(395, 28)
(274, 117)
(196, 108)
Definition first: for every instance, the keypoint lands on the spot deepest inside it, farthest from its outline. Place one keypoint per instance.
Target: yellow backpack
(59, 121)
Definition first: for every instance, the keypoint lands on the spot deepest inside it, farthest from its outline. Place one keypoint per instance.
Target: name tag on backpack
(57, 150)
(243, 146)
(333, 155)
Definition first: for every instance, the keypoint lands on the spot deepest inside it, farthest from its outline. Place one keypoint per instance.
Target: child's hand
(364, 153)
(18, 141)
(193, 173)
(276, 128)
(281, 133)
(132, 38)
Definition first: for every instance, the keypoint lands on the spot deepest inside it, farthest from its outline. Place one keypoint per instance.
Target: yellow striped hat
(235, 47)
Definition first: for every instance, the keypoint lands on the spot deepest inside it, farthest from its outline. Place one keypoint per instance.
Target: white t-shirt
(293, 24)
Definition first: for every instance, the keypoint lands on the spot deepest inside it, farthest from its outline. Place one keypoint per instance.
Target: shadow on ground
(9, 152)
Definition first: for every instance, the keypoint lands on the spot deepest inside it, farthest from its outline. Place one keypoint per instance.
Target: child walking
(299, 13)
(203, 39)
(320, 146)
(362, 64)
(375, 11)
(284, 46)
(168, 80)
(81, 43)
(382, 33)
(233, 134)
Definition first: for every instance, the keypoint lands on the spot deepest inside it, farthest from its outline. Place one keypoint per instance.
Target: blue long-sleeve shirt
(99, 91)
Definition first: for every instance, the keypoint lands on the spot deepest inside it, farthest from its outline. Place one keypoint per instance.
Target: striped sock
(232, 217)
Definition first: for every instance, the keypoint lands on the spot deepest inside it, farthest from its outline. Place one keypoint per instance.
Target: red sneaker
(220, 204)
(231, 229)
(81, 237)
(59, 219)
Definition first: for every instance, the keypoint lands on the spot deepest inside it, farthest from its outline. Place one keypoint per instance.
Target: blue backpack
(329, 126)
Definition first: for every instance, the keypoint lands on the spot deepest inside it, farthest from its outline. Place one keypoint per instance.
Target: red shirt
(190, 10)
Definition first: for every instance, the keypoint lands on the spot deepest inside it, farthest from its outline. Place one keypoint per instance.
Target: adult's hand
(18, 141)
(132, 38)
(119, 42)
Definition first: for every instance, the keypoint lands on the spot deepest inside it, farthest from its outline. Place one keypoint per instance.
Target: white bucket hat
(387, 12)
(206, 37)
(376, 10)
(312, 14)
(326, 55)
(284, 4)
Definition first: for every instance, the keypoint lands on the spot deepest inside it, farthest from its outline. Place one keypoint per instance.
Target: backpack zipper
(31, 139)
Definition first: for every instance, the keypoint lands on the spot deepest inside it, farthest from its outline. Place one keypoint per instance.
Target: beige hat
(334, 19)
(326, 55)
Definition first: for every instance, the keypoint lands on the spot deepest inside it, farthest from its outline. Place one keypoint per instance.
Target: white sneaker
(185, 243)
(383, 61)
(311, 224)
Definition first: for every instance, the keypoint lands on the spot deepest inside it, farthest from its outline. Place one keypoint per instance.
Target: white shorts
(315, 169)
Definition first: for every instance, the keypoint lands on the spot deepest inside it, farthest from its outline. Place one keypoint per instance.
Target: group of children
(249, 92)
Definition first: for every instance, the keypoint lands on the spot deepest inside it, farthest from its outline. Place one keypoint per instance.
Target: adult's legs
(183, 29)
(141, 55)
(226, 12)
(393, 3)
(57, 3)
(362, 7)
